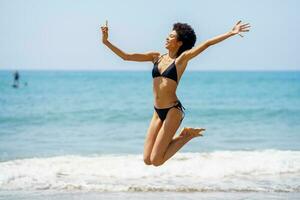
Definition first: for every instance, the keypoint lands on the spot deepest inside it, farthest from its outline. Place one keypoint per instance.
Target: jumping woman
(160, 143)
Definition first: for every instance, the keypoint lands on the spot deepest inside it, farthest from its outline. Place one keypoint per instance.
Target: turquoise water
(109, 112)
(85, 131)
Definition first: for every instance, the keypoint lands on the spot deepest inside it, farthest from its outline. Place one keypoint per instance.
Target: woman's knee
(147, 160)
(156, 160)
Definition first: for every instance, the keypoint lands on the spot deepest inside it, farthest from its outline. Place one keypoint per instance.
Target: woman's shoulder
(158, 57)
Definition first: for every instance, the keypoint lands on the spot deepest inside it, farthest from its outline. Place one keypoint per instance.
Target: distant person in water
(160, 143)
(16, 79)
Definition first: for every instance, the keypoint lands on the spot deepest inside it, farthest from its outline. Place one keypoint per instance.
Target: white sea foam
(267, 170)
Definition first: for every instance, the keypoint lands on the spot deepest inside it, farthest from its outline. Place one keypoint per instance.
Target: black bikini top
(170, 72)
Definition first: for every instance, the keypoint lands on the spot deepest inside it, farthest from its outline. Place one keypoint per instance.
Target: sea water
(81, 133)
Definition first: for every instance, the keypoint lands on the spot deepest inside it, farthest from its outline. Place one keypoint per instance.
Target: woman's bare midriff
(164, 91)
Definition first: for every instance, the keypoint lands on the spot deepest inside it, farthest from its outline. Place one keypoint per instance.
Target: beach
(80, 135)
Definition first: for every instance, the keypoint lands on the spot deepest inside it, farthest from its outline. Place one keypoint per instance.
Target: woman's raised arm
(189, 54)
(140, 57)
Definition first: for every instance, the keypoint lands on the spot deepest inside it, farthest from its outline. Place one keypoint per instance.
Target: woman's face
(172, 42)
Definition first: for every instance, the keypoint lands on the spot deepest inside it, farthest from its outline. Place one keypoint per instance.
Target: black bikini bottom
(162, 112)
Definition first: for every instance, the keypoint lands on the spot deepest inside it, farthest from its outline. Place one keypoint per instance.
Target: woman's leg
(177, 143)
(152, 132)
(165, 146)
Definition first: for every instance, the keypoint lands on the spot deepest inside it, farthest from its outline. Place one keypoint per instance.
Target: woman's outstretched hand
(104, 32)
(238, 28)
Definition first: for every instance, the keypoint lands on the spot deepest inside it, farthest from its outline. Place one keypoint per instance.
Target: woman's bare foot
(191, 132)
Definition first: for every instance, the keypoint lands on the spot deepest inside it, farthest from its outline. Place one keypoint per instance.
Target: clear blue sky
(64, 34)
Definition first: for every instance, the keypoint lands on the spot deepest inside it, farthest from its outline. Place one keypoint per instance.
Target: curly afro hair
(185, 34)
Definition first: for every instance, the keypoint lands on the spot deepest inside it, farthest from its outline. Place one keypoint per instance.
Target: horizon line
(144, 70)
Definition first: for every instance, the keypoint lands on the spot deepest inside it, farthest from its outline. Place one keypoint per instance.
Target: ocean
(80, 135)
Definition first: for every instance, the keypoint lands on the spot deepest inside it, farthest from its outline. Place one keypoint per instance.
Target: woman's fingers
(245, 28)
(104, 29)
(244, 25)
(241, 28)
